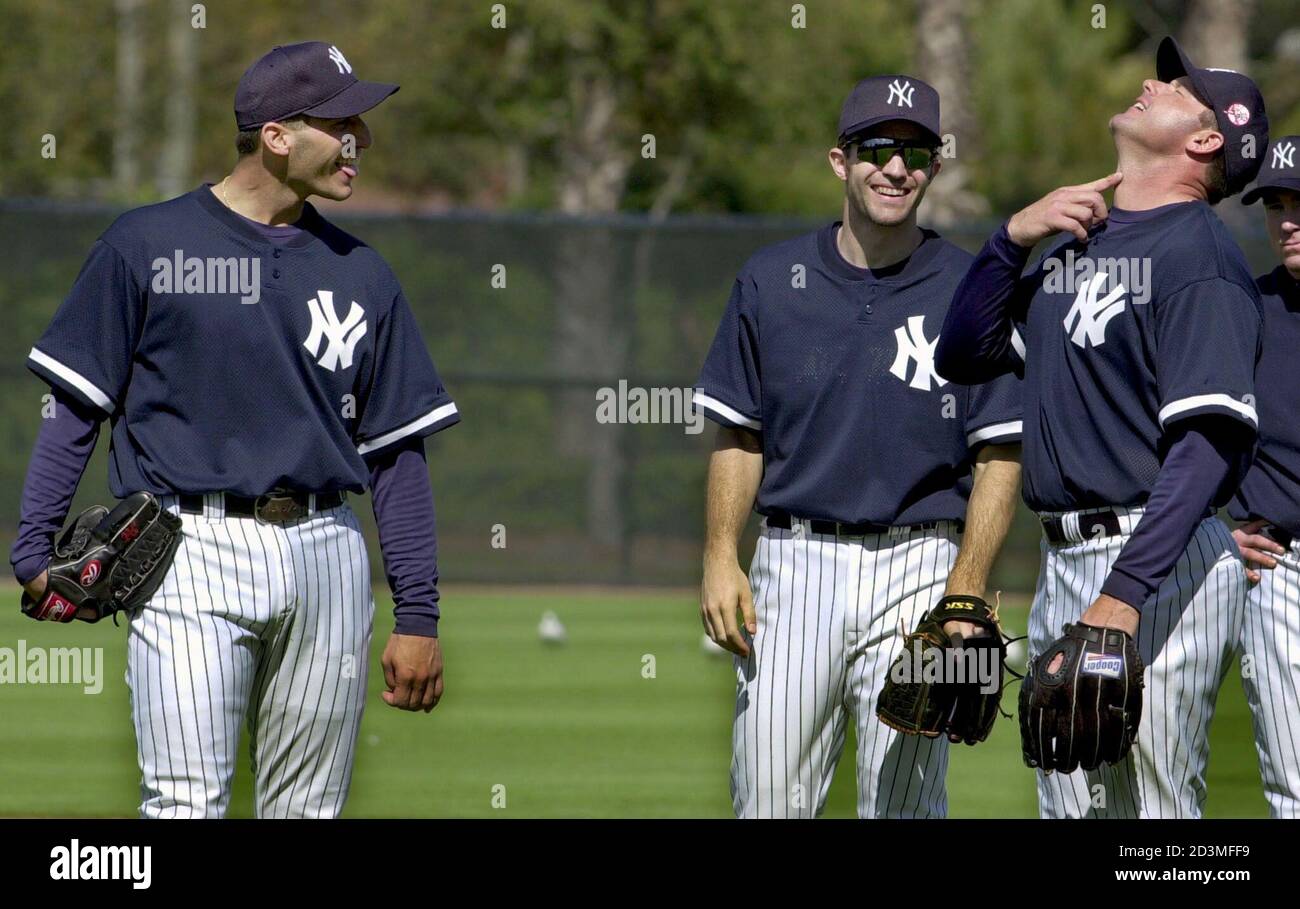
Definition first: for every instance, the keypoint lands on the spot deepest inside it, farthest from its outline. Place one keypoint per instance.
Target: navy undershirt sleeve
(976, 343)
(1207, 458)
(63, 448)
(403, 503)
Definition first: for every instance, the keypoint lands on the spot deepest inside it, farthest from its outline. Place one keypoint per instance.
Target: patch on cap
(1238, 114)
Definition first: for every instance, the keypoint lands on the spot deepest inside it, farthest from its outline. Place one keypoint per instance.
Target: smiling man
(1140, 420)
(251, 416)
(1268, 502)
(864, 463)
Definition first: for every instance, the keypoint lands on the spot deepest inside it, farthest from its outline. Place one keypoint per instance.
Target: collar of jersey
(911, 266)
(308, 222)
(1141, 216)
(1287, 287)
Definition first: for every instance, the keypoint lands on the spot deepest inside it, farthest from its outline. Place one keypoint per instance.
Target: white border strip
(1017, 342)
(388, 438)
(1182, 405)
(700, 399)
(73, 378)
(1011, 427)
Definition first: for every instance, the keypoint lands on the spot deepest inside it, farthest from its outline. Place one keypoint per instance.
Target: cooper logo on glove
(1086, 712)
(1102, 664)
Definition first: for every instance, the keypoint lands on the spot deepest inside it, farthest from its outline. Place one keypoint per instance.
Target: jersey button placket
(868, 307)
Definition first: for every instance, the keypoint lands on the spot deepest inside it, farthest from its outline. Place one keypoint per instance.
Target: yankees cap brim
(357, 98)
(1172, 62)
(1288, 183)
(858, 129)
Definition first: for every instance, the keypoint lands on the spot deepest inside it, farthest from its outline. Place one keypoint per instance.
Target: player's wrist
(959, 586)
(1016, 232)
(721, 552)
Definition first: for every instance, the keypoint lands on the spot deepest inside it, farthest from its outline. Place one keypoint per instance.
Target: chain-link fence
(527, 317)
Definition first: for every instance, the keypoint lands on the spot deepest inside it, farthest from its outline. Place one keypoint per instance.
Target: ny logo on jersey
(1283, 155)
(340, 337)
(912, 346)
(339, 60)
(1089, 315)
(902, 92)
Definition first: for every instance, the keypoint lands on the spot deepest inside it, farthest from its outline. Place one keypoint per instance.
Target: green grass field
(569, 731)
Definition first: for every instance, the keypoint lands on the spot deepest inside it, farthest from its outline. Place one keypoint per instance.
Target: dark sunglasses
(880, 151)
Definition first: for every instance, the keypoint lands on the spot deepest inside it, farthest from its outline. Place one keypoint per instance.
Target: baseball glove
(1086, 713)
(105, 561)
(943, 685)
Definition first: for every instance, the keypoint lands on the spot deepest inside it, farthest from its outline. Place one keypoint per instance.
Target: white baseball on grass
(550, 629)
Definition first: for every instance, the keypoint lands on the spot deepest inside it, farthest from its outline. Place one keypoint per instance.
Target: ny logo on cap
(1092, 313)
(913, 347)
(339, 60)
(1283, 155)
(902, 92)
(341, 337)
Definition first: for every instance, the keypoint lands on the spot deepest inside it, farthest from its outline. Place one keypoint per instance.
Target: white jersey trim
(1017, 343)
(434, 416)
(1182, 405)
(729, 414)
(996, 430)
(73, 378)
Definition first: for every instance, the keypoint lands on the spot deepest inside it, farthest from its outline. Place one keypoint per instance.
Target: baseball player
(1137, 336)
(1268, 501)
(862, 460)
(257, 365)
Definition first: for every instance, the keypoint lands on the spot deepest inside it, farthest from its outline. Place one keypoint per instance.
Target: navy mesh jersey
(1155, 320)
(208, 391)
(834, 366)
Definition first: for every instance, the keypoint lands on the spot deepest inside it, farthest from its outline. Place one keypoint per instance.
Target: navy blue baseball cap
(1281, 169)
(1238, 109)
(312, 78)
(879, 99)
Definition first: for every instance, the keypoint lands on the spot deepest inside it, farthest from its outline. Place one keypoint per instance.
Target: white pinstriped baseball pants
(257, 623)
(1270, 644)
(829, 610)
(1187, 638)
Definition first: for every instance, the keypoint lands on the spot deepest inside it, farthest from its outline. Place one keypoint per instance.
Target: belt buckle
(270, 508)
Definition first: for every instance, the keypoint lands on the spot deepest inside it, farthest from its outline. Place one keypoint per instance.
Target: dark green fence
(584, 305)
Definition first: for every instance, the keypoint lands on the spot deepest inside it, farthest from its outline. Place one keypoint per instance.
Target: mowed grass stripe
(574, 730)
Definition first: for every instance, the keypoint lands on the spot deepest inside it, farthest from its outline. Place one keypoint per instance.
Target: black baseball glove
(105, 561)
(1086, 712)
(941, 685)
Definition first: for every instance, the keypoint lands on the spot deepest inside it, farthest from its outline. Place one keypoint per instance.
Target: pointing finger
(1104, 183)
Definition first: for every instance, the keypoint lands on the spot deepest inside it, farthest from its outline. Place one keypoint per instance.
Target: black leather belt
(783, 521)
(1092, 526)
(272, 508)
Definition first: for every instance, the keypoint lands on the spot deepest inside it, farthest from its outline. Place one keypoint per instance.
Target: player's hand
(35, 589)
(1072, 209)
(1256, 548)
(1108, 612)
(723, 592)
(413, 672)
(966, 630)
(36, 586)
